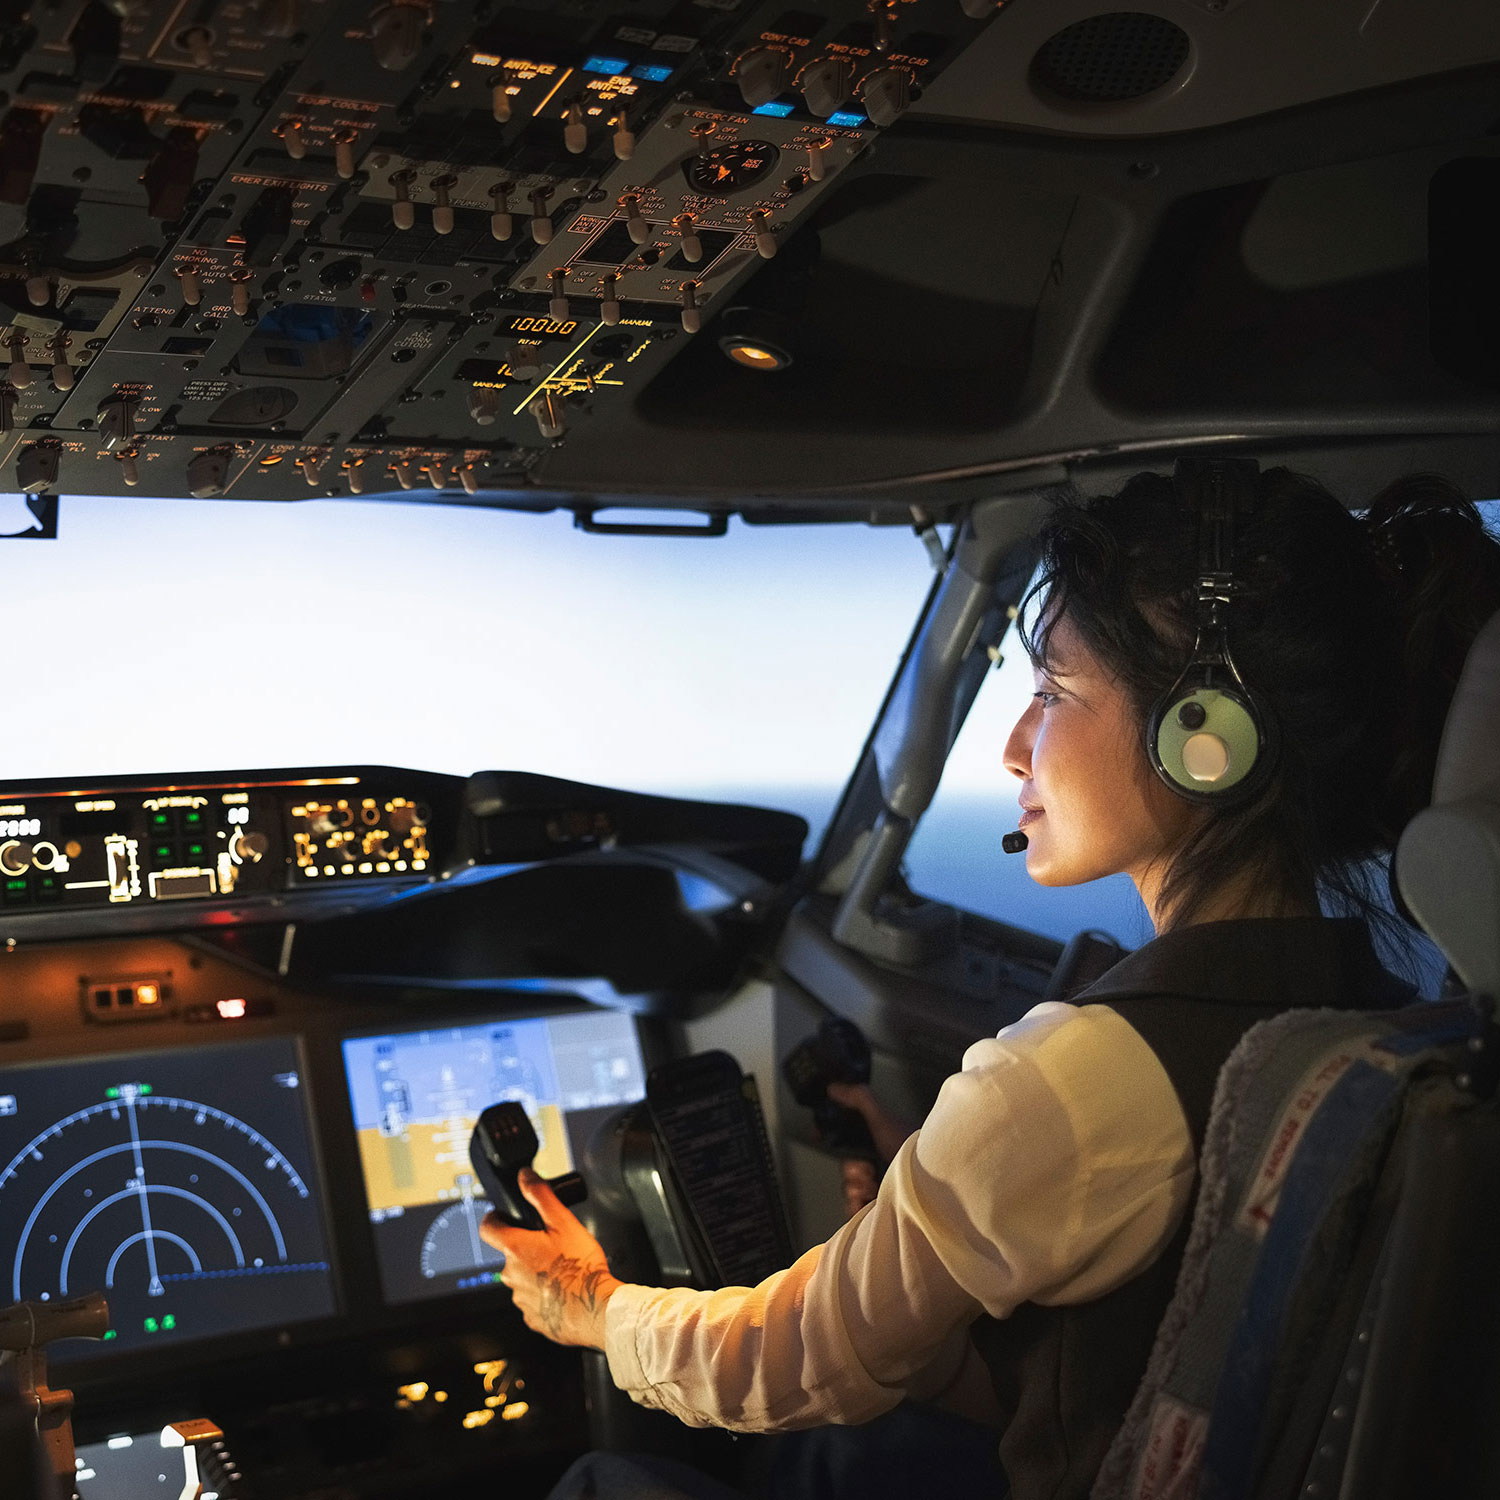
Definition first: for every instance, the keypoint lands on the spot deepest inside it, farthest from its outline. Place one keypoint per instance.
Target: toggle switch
(760, 226)
(761, 74)
(130, 469)
(198, 43)
(442, 209)
(403, 214)
(499, 96)
(484, 405)
(469, 479)
(21, 133)
(825, 84)
(575, 129)
(62, 371)
(817, 168)
(502, 224)
(38, 289)
(609, 299)
(437, 475)
(623, 138)
(558, 306)
(406, 474)
(885, 94)
(541, 218)
(116, 418)
(635, 221)
(550, 413)
(883, 19)
(311, 465)
(239, 290)
(294, 138)
(692, 316)
(343, 153)
(206, 473)
(357, 477)
(192, 287)
(169, 176)
(19, 370)
(692, 247)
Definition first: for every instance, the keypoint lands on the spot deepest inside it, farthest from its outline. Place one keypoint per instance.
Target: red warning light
(230, 1010)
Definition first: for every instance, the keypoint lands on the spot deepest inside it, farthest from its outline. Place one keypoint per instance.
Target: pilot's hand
(558, 1275)
(887, 1129)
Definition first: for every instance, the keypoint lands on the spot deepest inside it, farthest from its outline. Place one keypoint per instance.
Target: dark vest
(1064, 1376)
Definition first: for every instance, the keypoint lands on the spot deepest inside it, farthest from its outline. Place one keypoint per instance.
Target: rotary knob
(277, 18)
(396, 34)
(885, 94)
(524, 362)
(248, 846)
(206, 474)
(825, 84)
(484, 406)
(15, 857)
(761, 75)
(116, 418)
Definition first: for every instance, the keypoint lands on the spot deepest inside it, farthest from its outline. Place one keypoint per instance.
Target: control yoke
(24, 1329)
(503, 1142)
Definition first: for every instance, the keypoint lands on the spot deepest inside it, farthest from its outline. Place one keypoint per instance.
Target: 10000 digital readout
(540, 326)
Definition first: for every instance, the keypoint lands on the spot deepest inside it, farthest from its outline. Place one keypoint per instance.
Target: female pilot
(1036, 1219)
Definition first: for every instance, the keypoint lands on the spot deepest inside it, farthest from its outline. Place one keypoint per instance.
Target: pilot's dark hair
(1352, 630)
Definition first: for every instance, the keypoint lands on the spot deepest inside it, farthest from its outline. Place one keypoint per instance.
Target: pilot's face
(1091, 804)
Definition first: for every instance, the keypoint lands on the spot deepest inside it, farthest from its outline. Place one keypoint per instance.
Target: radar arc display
(180, 1210)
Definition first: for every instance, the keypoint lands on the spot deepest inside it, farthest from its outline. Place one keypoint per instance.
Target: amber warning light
(230, 1010)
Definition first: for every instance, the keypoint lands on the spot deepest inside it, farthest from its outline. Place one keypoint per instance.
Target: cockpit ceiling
(798, 264)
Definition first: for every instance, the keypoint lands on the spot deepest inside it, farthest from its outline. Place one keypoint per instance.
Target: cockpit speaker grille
(1109, 58)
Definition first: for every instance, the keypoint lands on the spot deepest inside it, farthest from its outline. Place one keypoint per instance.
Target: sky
(178, 635)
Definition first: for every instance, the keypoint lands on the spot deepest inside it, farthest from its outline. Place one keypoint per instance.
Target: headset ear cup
(1209, 744)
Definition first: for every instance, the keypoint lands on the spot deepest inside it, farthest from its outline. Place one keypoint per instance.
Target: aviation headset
(1209, 738)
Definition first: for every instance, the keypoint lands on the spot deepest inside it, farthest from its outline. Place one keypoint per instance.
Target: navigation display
(415, 1097)
(180, 1184)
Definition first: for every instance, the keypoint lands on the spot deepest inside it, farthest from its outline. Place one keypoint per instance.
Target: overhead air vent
(1111, 58)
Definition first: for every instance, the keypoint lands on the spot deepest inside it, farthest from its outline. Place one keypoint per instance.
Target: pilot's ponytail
(1352, 631)
(1443, 570)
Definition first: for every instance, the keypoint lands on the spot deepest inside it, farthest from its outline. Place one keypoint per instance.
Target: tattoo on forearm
(568, 1279)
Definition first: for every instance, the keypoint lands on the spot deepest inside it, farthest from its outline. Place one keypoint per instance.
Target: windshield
(166, 635)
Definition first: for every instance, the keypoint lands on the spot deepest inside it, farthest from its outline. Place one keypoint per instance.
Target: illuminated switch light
(148, 994)
(479, 1418)
(416, 1391)
(230, 1010)
(515, 1411)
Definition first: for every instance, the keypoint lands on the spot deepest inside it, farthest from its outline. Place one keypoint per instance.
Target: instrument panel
(270, 1187)
(124, 846)
(334, 247)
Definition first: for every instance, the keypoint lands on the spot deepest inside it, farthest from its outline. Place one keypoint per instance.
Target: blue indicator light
(651, 72)
(605, 64)
(781, 111)
(843, 117)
